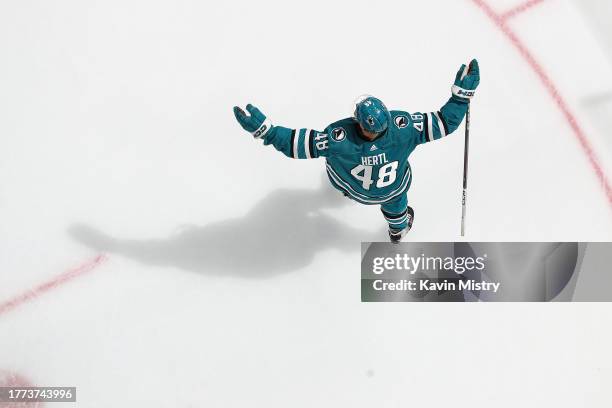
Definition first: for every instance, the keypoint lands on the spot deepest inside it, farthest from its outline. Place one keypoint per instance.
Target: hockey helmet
(372, 114)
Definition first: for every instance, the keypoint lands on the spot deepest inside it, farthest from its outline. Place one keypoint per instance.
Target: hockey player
(367, 154)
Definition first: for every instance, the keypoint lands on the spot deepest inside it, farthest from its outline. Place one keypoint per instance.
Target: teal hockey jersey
(370, 172)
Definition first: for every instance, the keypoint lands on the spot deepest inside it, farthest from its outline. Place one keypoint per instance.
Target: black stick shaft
(466, 151)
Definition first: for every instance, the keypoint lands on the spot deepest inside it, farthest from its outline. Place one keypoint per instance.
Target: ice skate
(395, 235)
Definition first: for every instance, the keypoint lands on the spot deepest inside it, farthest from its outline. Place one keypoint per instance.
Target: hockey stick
(466, 150)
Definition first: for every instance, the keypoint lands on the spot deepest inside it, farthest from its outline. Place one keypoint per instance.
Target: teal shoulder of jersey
(343, 137)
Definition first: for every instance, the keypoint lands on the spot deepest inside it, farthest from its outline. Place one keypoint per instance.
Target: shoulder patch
(338, 134)
(401, 121)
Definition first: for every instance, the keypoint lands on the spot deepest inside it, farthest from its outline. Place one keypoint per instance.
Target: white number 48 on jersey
(385, 177)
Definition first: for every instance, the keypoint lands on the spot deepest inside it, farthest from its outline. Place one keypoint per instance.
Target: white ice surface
(233, 272)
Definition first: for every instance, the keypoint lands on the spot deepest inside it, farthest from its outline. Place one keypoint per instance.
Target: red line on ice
(52, 284)
(500, 22)
(519, 9)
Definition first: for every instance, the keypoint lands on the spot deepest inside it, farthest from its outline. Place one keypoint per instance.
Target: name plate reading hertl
(486, 271)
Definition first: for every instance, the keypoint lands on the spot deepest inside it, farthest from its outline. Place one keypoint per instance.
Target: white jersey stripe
(296, 144)
(379, 201)
(394, 218)
(398, 221)
(430, 130)
(307, 144)
(440, 124)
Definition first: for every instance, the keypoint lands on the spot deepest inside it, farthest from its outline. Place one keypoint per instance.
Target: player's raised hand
(255, 122)
(466, 81)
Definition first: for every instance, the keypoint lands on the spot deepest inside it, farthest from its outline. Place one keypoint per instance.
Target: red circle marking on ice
(500, 21)
(53, 283)
(9, 379)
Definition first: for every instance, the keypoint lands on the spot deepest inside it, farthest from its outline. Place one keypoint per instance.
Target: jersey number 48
(385, 177)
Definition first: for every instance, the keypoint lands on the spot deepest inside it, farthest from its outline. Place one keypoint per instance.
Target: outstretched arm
(435, 125)
(294, 143)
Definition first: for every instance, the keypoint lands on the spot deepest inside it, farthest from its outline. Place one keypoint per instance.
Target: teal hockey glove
(256, 123)
(466, 82)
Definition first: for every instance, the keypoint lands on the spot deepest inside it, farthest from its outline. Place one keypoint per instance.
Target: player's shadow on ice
(281, 233)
